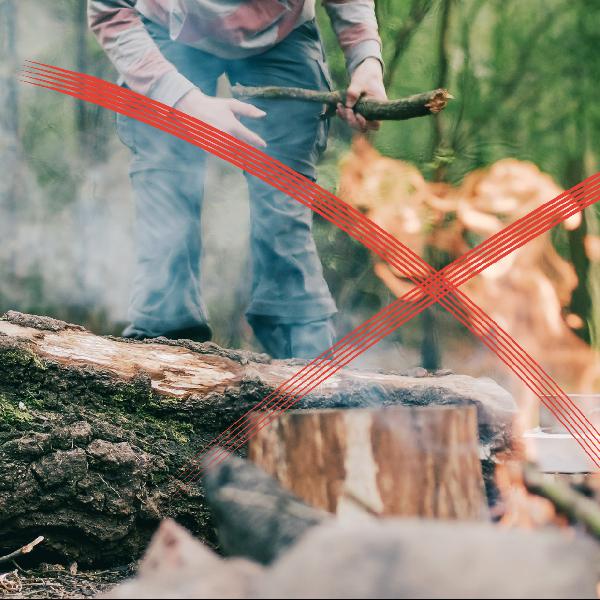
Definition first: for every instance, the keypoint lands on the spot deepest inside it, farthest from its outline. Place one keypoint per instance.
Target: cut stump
(409, 461)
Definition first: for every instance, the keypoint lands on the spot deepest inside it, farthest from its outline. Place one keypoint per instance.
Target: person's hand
(222, 113)
(367, 82)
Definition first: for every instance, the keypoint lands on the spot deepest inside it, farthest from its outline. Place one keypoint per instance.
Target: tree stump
(409, 461)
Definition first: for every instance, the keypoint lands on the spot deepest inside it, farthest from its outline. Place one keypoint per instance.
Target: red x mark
(431, 286)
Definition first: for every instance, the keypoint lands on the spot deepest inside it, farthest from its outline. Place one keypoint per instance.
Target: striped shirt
(228, 29)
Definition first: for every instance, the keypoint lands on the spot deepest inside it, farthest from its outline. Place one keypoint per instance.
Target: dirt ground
(57, 581)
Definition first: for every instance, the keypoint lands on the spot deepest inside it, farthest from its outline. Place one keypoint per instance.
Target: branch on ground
(26, 549)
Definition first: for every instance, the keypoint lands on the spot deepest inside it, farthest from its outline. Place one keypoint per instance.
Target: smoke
(67, 230)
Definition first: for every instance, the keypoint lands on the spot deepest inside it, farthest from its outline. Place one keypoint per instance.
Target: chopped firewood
(409, 461)
(418, 105)
(255, 516)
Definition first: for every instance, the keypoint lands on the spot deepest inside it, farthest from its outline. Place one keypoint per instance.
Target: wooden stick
(26, 549)
(567, 501)
(418, 105)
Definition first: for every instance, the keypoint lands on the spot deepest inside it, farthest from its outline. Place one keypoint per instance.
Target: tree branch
(418, 105)
(567, 501)
(418, 12)
(26, 549)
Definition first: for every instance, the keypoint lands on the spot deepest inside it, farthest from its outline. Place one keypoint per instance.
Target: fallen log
(408, 461)
(96, 432)
(418, 105)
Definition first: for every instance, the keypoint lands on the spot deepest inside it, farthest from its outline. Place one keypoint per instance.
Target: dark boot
(293, 340)
(197, 333)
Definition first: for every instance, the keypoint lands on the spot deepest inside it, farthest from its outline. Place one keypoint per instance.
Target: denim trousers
(291, 306)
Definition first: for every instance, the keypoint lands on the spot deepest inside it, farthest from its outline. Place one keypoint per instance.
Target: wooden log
(254, 515)
(409, 461)
(97, 432)
(418, 105)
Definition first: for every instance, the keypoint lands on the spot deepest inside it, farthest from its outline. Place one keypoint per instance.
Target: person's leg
(167, 175)
(291, 306)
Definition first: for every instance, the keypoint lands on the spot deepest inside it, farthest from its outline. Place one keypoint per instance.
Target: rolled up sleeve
(356, 29)
(121, 33)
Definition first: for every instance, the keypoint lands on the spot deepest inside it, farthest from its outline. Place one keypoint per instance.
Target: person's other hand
(367, 82)
(222, 113)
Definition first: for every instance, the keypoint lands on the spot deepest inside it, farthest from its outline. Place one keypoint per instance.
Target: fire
(527, 292)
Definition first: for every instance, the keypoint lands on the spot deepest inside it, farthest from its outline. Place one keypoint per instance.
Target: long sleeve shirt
(228, 29)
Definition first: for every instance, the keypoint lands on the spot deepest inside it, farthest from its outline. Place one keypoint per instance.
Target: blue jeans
(291, 307)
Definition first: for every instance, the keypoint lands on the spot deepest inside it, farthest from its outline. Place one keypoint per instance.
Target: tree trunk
(408, 461)
(9, 131)
(96, 432)
(82, 65)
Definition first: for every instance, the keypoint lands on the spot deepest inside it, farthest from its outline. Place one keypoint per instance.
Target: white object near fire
(553, 448)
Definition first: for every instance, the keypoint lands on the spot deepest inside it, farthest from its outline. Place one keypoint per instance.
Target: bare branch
(26, 549)
(418, 12)
(567, 501)
(418, 105)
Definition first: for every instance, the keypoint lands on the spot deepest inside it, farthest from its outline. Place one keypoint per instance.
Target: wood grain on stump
(410, 461)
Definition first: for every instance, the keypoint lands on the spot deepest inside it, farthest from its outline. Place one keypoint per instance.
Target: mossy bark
(96, 431)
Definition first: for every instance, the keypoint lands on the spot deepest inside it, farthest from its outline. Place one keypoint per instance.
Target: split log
(418, 105)
(96, 432)
(404, 461)
(255, 516)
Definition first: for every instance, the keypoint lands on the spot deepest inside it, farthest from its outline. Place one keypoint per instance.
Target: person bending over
(173, 51)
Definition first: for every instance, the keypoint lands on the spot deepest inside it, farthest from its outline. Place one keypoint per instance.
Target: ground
(57, 581)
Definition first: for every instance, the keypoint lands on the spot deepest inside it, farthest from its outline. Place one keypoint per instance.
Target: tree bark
(97, 432)
(418, 105)
(407, 461)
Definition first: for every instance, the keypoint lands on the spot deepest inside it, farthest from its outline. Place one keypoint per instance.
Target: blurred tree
(9, 124)
(82, 65)
(418, 11)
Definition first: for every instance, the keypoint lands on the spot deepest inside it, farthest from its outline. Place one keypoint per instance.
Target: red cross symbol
(431, 286)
